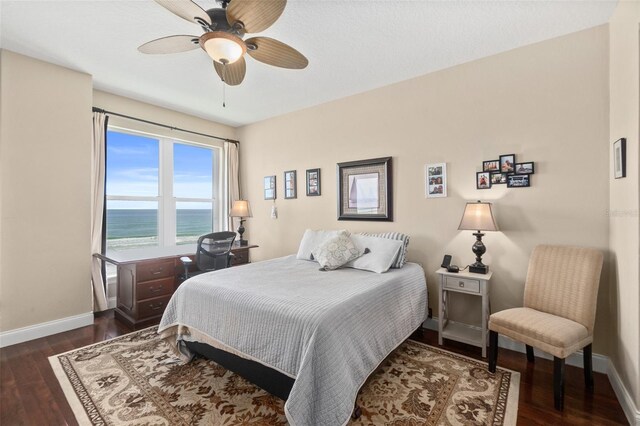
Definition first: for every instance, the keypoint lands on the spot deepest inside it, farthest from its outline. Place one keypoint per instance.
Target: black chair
(213, 252)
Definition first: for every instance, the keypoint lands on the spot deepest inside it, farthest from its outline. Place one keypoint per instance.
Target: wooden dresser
(146, 282)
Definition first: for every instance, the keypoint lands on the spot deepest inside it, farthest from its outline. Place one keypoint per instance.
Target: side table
(467, 283)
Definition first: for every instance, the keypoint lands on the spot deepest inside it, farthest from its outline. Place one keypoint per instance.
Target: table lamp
(478, 217)
(241, 209)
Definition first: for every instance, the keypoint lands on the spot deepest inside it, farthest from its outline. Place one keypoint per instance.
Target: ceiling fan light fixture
(223, 47)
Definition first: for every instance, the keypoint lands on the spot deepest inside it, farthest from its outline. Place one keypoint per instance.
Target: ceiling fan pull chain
(224, 92)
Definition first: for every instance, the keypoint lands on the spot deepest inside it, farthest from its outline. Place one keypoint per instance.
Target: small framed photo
(436, 180)
(518, 181)
(491, 166)
(483, 180)
(507, 163)
(525, 168)
(290, 185)
(620, 158)
(498, 178)
(313, 182)
(269, 187)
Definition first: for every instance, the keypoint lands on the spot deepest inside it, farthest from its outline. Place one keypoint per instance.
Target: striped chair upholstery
(559, 310)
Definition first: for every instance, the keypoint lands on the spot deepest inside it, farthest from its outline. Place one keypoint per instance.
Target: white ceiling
(352, 46)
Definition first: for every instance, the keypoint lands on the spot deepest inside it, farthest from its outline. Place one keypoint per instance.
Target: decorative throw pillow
(379, 254)
(335, 252)
(402, 255)
(312, 239)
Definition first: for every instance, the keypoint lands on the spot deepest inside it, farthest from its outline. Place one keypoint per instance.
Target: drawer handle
(156, 307)
(159, 271)
(461, 283)
(155, 290)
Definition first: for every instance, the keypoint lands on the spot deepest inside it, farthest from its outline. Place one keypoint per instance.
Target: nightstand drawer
(462, 284)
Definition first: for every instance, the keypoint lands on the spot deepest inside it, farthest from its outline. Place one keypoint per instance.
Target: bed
(324, 331)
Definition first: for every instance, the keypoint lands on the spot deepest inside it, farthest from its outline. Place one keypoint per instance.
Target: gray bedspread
(328, 330)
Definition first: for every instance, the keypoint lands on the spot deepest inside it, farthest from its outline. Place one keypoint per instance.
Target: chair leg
(530, 356)
(588, 367)
(558, 383)
(493, 351)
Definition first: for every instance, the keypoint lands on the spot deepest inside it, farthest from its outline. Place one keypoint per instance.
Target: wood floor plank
(11, 407)
(31, 395)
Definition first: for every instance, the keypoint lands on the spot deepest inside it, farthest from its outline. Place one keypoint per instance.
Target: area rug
(135, 379)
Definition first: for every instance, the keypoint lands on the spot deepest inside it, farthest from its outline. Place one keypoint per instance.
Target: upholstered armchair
(559, 310)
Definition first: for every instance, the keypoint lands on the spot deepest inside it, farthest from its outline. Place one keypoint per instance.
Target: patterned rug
(134, 379)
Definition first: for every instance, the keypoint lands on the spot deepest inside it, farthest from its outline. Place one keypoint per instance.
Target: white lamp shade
(223, 47)
(478, 216)
(241, 208)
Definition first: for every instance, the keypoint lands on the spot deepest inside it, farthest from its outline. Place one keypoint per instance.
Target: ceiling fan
(223, 38)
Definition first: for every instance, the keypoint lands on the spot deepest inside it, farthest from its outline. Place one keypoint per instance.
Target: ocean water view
(138, 228)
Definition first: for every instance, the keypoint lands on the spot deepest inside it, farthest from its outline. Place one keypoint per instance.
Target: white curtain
(97, 207)
(233, 179)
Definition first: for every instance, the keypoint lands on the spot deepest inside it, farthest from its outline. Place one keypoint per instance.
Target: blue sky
(133, 164)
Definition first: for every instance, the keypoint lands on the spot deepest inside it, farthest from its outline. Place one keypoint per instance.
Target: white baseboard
(624, 397)
(600, 362)
(36, 331)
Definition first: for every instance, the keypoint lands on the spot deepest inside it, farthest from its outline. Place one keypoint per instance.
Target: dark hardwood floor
(30, 394)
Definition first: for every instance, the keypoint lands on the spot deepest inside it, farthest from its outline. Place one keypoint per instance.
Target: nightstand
(467, 283)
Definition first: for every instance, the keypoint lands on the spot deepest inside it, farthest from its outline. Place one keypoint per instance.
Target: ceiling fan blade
(255, 15)
(171, 44)
(276, 53)
(232, 74)
(186, 9)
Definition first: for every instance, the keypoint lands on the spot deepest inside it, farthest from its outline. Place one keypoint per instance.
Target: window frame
(167, 202)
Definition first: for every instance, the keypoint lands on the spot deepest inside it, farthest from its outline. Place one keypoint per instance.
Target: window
(160, 192)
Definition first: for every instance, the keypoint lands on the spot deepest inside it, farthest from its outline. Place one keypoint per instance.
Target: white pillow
(336, 251)
(381, 254)
(402, 256)
(312, 239)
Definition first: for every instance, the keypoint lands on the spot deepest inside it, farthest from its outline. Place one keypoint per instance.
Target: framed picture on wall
(483, 180)
(498, 178)
(436, 180)
(365, 190)
(507, 163)
(518, 181)
(313, 182)
(491, 166)
(620, 158)
(525, 168)
(290, 185)
(269, 187)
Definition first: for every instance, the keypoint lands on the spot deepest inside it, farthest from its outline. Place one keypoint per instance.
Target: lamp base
(243, 243)
(479, 269)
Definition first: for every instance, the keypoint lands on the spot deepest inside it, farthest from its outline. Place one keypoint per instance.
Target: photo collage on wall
(505, 171)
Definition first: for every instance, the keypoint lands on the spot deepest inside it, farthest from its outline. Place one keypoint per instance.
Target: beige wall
(546, 103)
(624, 76)
(45, 145)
